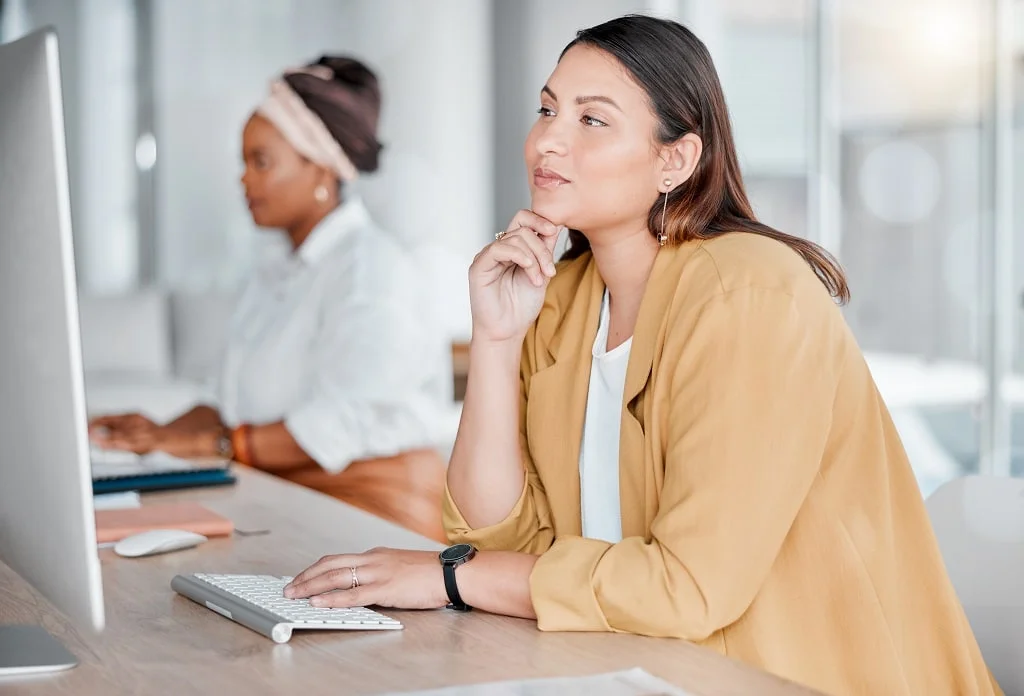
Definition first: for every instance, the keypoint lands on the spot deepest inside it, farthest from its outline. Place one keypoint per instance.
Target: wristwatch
(451, 558)
(225, 448)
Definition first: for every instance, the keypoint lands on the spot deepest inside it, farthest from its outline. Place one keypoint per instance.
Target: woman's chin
(262, 221)
(551, 211)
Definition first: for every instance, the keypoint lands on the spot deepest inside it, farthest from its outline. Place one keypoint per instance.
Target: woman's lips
(548, 179)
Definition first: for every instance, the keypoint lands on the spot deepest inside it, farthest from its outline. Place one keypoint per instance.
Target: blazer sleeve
(528, 527)
(749, 413)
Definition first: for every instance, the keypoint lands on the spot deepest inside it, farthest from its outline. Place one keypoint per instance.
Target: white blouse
(334, 339)
(599, 452)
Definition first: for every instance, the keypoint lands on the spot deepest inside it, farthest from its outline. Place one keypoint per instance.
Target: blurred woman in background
(334, 375)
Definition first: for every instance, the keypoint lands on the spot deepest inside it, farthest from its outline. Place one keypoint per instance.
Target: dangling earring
(662, 237)
(321, 193)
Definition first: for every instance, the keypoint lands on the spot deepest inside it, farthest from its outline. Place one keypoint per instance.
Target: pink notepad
(114, 525)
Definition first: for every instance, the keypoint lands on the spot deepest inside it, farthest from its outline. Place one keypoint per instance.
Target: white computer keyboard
(258, 602)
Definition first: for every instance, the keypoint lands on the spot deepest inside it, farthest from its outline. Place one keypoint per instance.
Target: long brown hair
(675, 70)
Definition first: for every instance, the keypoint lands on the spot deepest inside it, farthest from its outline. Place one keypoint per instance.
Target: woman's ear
(329, 180)
(681, 159)
(326, 177)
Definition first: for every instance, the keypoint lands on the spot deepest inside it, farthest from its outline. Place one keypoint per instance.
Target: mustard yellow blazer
(768, 508)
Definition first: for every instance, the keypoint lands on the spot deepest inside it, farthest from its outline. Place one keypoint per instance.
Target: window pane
(913, 217)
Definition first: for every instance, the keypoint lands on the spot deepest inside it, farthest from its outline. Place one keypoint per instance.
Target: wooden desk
(157, 642)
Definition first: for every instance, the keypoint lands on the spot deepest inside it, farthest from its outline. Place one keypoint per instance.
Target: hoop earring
(321, 193)
(662, 237)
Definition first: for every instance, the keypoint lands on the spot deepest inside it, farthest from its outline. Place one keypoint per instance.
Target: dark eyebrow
(597, 98)
(583, 100)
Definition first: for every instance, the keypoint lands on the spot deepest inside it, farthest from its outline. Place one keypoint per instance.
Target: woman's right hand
(508, 279)
(110, 431)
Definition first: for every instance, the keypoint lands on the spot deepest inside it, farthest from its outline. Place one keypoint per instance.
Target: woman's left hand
(385, 577)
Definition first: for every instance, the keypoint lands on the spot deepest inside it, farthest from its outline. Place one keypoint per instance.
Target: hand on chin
(551, 211)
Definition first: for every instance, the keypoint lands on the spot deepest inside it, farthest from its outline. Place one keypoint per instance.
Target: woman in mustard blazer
(672, 432)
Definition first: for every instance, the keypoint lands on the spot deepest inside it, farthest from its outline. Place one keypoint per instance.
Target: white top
(599, 453)
(333, 340)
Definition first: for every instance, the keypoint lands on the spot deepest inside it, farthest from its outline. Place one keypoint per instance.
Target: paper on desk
(634, 682)
(116, 501)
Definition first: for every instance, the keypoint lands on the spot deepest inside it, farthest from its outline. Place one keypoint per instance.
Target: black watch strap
(452, 588)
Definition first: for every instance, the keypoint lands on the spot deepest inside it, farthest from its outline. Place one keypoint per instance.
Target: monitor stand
(31, 650)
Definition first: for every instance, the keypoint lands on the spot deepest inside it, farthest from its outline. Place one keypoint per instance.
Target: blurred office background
(887, 130)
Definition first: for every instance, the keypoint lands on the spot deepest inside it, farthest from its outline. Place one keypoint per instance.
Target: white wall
(108, 252)
(63, 17)
(96, 40)
(764, 76)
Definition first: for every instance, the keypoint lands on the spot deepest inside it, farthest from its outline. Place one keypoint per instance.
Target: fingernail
(289, 590)
(316, 601)
(550, 268)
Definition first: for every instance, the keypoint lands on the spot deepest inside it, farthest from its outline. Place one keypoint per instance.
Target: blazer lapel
(637, 487)
(558, 401)
(661, 288)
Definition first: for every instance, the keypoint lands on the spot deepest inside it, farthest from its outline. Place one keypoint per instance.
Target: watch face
(456, 553)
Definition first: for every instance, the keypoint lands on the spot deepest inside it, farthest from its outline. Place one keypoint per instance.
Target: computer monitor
(47, 527)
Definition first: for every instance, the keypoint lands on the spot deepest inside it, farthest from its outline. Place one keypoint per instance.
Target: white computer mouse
(157, 541)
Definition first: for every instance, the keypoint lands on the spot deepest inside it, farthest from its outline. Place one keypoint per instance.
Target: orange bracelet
(248, 446)
(240, 444)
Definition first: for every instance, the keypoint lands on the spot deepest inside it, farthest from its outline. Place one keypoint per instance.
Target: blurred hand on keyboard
(133, 432)
(118, 431)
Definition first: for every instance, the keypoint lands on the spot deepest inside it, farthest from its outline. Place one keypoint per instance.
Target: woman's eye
(545, 111)
(591, 121)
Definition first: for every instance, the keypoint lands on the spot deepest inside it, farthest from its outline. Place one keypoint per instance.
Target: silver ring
(355, 579)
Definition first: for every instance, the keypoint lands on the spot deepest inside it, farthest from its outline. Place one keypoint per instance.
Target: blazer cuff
(562, 586)
(503, 536)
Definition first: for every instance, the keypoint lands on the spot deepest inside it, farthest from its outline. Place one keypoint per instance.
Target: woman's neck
(298, 232)
(624, 259)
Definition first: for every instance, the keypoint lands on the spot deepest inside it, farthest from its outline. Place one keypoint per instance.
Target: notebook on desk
(114, 471)
(114, 525)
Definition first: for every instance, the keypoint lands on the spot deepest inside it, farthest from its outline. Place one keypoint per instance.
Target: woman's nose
(552, 139)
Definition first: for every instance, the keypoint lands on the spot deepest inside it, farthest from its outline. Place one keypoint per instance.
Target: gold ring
(355, 579)
(499, 235)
